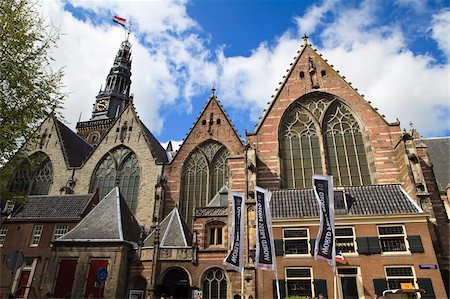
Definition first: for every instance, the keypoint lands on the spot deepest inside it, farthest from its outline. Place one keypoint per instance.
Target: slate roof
(75, 149)
(362, 201)
(157, 150)
(439, 152)
(110, 221)
(173, 232)
(52, 206)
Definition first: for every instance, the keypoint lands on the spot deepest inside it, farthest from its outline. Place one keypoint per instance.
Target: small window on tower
(204, 122)
(218, 121)
(302, 75)
(323, 73)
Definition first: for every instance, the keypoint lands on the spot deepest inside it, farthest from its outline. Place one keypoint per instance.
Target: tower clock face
(101, 105)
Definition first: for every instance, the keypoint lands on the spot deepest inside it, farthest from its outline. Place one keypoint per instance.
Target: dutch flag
(120, 21)
(340, 258)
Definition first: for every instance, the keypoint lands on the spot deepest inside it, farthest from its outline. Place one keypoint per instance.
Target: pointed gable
(309, 73)
(213, 123)
(75, 149)
(110, 221)
(173, 232)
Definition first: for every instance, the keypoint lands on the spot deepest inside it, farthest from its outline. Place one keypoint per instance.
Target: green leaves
(29, 89)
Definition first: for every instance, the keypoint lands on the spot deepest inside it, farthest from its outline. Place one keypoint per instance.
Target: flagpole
(335, 281)
(272, 244)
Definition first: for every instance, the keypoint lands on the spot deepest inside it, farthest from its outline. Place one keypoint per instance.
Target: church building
(110, 213)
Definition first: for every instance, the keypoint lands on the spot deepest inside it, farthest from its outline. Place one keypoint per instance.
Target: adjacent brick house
(31, 228)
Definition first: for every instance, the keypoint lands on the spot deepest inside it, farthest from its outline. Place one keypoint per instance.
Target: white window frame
(413, 277)
(307, 238)
(355, 245)
(9, 207)
(357, 275)
(310, 278)
(60, 230)
(404, 235)
(36, 236)
(3, 233)
(28, 265)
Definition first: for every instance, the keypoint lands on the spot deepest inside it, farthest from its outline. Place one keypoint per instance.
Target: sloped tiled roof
(361, 201)
(75, 149)
(173, 232)
(110, 221)
(52, 206)
(439, 152)
(157, 150)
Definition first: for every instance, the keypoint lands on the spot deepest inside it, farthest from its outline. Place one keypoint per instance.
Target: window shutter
(380, 285)
(320, 287)
(282, 288)
(415, 244)
(363, 245)
(427, 285)
(374, 245)
(279, 251)
(312, 244)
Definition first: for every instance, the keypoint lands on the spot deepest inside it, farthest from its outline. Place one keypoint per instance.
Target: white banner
(265, 254)
(325, 247)
(235, 258)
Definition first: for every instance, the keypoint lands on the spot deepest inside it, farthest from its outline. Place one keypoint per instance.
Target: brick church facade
(141, 221)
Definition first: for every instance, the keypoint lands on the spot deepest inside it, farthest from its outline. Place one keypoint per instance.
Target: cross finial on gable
(305, 38)
(213, 90)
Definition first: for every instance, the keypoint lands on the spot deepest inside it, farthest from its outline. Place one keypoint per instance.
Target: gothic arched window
(119, 166)
(204, 173)
(214, 284)
(37, 172)
(42, 179)
(322, 136)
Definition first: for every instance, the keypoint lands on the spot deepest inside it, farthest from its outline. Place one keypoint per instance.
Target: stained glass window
(42, 179)
(37, 172)
(119, 166)
(321, 136)
(204, 173)
(215, 284)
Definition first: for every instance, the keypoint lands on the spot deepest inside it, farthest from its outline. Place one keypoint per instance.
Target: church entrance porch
(176, 284)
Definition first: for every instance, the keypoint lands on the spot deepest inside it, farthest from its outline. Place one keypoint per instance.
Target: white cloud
(313, 16)
(173, 64)
(441, 30)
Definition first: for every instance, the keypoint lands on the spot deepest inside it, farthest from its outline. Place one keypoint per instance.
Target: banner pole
(242, 283)
(335, 282)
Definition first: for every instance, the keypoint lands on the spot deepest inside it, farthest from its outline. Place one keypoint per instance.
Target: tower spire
(116, 93)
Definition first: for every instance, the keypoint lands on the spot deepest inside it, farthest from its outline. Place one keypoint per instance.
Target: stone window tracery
(37, 172)
(204, 173)
(322, 136)
(119, 166)
(215, 284)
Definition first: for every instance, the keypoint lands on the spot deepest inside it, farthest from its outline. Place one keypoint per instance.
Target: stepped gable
(75, 149)
(62, 207)
(361, 201)
(110, 221)
(173, 232)
(318, 75)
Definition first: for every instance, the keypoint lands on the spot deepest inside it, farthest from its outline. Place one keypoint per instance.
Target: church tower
(112, 100)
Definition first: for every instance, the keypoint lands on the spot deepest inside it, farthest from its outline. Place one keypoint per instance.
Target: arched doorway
(176, 284)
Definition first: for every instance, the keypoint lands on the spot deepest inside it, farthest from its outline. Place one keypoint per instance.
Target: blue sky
(394, 52)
